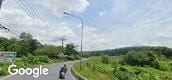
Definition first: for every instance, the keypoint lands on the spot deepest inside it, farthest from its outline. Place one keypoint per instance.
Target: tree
(70, 50)
(50, 50)
(140, 58)
(28, 44)
(25, 36)
(4, 43)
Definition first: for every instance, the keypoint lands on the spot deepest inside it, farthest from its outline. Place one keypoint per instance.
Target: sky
(108, 24)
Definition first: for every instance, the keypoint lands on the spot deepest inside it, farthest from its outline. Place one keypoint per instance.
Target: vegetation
(146, 63)
(30, 52)
(123, 51)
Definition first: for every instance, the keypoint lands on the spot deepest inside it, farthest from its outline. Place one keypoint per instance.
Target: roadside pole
(82, 33)
(1, 3)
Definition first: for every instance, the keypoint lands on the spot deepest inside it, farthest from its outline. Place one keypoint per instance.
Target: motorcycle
(62, 75)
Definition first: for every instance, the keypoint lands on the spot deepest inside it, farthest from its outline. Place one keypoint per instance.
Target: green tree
(70, 50)
(4, 43)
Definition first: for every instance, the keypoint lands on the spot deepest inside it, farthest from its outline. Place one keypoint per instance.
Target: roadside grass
(26, 62)
(94, 69)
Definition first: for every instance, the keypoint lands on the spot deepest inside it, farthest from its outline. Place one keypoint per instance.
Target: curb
(77, 75)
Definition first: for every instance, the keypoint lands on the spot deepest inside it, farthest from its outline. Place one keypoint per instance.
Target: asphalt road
(53, 71)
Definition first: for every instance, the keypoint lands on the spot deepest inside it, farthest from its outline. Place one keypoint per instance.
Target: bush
(105, 59)
(4, 68)
(140, 58)
(70, 58)
(115, 65)
(77, 57)
(160, 65)
(44, 59)
(1, 64)
(30, 59)
(123, 75)
(123, 69)
(3, 71)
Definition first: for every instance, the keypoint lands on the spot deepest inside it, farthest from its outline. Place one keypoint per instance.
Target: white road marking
(6, 77)
(71, 73)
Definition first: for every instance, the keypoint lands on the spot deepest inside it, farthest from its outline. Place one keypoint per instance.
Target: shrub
(1, 64)
(44, 59)
(70, 58)
(123, 69)
(3, 71)
(140, 58)
(77, 57)
(123, 75)
(105, 59)
(160, 65)
(115, 65)
(35, 59)
(4, 68)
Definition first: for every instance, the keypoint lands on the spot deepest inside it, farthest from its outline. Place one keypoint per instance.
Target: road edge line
(71, 73)
(6, 77)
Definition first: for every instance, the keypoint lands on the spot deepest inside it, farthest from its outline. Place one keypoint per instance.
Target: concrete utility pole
(1, 3)
(63, 39)
(76, 47)
(82, 33)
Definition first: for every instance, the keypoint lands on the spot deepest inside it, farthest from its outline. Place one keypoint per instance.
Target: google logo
(35, 72)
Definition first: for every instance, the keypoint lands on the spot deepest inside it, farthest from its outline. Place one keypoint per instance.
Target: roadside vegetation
(148, 63)
(31, 53)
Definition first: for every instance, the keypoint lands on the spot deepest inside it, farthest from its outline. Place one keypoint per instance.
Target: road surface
(53, 70)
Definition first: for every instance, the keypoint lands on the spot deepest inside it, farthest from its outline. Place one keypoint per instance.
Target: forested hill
(122, 51)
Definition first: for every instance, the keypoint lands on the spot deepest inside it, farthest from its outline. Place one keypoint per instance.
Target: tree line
(123, 51)
(26, 44)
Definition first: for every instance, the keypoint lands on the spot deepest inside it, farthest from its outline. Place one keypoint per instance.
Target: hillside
(132, 63)
(123, 51)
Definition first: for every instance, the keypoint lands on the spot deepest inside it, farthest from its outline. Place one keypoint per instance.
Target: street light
(82, 27)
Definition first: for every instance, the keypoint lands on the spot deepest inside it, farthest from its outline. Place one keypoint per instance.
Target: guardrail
(77, 75)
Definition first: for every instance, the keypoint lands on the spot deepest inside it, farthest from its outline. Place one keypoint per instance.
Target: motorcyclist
(62, 72)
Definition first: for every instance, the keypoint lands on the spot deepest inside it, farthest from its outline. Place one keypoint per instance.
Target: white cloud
(120, 6)
(59, 6)
(21, 22)
(102, 13)
(150, 25)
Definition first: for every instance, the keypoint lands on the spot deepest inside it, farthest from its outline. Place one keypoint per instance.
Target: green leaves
(70, 50)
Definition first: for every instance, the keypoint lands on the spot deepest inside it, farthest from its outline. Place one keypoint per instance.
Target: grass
(94, 69)
(93, 66)
(25, 63)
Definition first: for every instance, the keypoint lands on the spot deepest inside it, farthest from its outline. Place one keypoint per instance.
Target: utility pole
(82, 33)
(63, 38)
(1, 3)
(76, 47)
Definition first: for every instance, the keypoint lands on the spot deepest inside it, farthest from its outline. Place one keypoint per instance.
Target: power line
(15, 32)
(33, 13)
(37, 16)
(30, 12)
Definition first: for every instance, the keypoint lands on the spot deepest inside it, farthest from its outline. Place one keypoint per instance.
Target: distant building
(6, 56)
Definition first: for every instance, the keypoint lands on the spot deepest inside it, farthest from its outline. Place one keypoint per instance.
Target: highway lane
(53, 71)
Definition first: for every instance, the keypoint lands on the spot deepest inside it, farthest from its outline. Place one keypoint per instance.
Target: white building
(6, 56)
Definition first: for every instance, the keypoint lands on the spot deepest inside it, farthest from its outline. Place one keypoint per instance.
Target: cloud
(126, 24)
(120, 6)
(101, 13)
(21, 22)
(59, 6)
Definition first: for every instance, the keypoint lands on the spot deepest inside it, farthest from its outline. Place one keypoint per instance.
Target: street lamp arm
(73, 16)
(82, 32)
